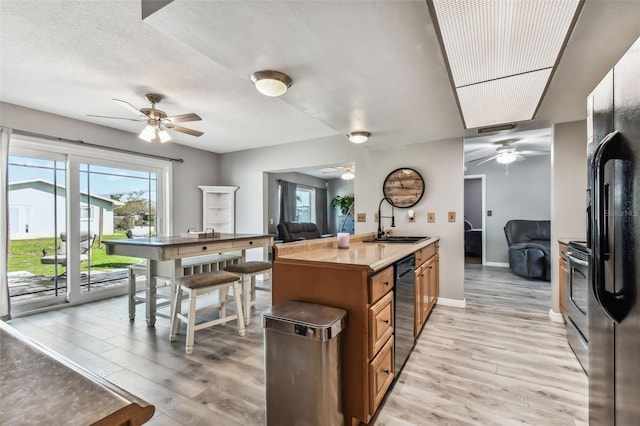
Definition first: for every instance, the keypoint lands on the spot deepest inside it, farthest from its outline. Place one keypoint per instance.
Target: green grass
(25, 255)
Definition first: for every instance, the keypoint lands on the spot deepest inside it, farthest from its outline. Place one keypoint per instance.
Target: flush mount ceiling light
(501, 55)
(359, 137)
(348, 174)
(271, 83)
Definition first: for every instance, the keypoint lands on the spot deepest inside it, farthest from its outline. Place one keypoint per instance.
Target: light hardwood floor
(500, 361)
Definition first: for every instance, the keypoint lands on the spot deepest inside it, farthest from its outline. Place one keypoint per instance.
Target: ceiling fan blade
(184, 117)
(485, 160)
(184, 130)
(130, 107)
(533, 152)
(117, 118)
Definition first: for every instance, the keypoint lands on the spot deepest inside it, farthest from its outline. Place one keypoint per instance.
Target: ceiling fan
(157, 120)
(506, 153)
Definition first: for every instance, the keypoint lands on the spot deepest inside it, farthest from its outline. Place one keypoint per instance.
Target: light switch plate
(375, 217)
(362, 217)
(431, 217)
(452, 216)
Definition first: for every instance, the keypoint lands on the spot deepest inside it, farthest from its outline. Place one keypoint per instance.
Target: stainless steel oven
(577, 300)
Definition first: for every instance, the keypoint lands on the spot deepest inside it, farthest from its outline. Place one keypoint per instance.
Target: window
(305, 204)
(86, 213)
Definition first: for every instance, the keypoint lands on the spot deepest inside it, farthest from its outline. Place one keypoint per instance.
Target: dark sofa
(529, 248)
(298, 231)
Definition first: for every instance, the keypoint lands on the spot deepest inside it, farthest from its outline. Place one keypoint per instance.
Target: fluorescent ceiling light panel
(487, 40)
(506, 100)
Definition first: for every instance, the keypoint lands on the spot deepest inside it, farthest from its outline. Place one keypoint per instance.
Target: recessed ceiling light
(271, 83)
(359, 137)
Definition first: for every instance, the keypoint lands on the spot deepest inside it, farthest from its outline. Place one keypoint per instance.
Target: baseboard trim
(498, 264)
(555, 316)
(456, 303)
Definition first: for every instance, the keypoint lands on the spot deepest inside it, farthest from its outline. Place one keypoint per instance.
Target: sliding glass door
(37, 228)
(62, 205)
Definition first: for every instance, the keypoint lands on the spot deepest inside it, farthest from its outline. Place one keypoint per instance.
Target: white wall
(199, 167)
(440, 163)
(568, 192)
(525, 193)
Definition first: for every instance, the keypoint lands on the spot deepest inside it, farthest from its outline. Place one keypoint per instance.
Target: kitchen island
(359, 279)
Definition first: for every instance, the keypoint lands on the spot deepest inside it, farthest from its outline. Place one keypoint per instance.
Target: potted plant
(342, 203)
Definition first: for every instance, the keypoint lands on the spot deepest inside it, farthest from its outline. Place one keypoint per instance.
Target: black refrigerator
(613, 237)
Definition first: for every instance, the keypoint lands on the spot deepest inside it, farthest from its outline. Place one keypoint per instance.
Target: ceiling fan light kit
(506, 157)
(157, 121)
(271, 83)
(358, 137)
(348, 174)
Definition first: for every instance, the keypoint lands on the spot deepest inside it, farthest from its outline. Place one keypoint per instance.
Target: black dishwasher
(404, 306)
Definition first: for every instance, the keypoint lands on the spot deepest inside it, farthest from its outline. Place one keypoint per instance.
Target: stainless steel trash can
(302, 364)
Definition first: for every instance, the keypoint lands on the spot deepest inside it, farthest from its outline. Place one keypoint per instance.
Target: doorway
(475, 219)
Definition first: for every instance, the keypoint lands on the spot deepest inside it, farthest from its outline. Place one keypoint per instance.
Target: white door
(19, 221)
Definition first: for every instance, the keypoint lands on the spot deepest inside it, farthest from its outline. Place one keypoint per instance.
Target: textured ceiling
(356, 65)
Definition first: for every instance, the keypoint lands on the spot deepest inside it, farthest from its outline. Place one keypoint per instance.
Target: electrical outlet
(362, 217)
(452, 216)
(431, 217)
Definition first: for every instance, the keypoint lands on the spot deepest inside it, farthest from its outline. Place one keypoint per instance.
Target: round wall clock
(404, 187)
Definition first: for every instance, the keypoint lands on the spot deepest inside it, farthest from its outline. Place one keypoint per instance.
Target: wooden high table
(164, 256)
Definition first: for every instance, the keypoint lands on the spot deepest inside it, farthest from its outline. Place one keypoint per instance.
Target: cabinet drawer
(247, 244)
(380, 323)
(204, 248)
(380, 375)
(424, 254)
(380, 284)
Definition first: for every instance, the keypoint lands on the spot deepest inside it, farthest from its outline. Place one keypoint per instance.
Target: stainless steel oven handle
(575, 259)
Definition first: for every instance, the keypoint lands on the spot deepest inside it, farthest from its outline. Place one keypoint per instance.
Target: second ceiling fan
(506, 153)
(157, 120)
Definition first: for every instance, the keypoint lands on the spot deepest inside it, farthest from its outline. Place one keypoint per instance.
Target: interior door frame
(483, 185)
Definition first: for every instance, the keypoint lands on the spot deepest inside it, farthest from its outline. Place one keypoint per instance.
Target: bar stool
(195, 285)
(135, 299)
(248, 272)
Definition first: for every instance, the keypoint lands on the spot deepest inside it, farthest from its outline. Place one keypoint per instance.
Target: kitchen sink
(396, 239)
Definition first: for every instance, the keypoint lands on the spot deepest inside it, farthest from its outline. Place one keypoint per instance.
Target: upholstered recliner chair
(529, 248)
(298, 231)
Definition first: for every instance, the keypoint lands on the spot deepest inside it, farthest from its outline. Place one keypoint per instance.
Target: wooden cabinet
(427, 287)
(380, 323)
(380, 375)
(562, 278)
(219, 208)
(367, 341)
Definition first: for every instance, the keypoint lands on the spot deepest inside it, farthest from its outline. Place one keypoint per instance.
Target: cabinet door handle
(387, 371)
(385, 321)
(204, 247)
(386, 283)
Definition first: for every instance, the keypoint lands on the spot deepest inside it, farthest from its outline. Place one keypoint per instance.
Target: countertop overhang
(374, 256)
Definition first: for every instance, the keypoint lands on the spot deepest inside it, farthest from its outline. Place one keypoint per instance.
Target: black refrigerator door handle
(612, 303)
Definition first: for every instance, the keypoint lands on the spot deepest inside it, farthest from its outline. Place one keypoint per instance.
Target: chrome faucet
(393, 217)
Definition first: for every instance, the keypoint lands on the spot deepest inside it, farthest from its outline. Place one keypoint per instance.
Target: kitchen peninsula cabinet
(427, 285)
(361, 280)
